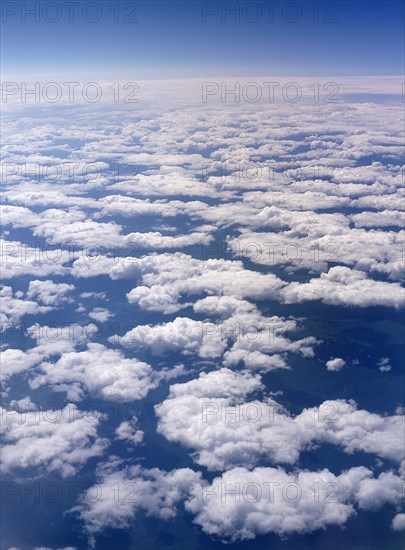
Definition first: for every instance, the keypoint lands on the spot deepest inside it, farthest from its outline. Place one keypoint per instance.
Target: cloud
(100, 371)
(49, 293)
(307, 240)
(398, 523)
(245, 336)
(387, 488)
(212, 417)
(182, 334)
(129, 206)
(75, 228)
(238, 505)
(100, 314)
(336, 364)
(154, 491)
(96, 295)
(165, 278)
(384, 364)
(50, 341)
(242, 504)
(345, 286)
(13, 308)
(16, 361)
(19, 259)
(55, 440)
(282, 186)
(385, 218)
(128, 431)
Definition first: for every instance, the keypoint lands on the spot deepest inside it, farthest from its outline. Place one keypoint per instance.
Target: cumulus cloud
(50, 341)
(154, 491)
(398, 523)
(18, 259)
(14, 308)
(345, 286)
(212, 416)
(306, 240)
(49, 293)
(247, 336)
(15, 361)
(100, 371)
(75, 228)
(285, 187)
(128, 431)
(182, 334)
(385, 218)
(100, 314)
(165, 278)
(336, 364)
(242, 504)
(54, 440)
(238, 505)
(384, 364)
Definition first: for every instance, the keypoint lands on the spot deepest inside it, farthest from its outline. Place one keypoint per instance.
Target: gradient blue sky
(171, 40)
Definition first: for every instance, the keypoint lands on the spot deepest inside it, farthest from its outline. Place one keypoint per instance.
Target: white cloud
(238, 505)
(49, 293)
(56, 440)
(242, 504)
(154, 491)
(96, 295)
(13, 308)
(100, 371)
(384, 364)
(398, 523)
(16, 361)
(75, 228)
(317, 200)
(19, 259)
(212, 417)
(385, 218)
(100, 314)
(128, 431)
(182, 334)
(164, 278)
(248, 337)
(307, 240)
(345, 286)
(50, 341)
(336, 364)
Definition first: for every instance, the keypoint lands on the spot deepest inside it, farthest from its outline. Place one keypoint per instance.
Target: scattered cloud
(336, 364)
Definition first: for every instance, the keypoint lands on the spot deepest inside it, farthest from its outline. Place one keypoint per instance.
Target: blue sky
(171, 40)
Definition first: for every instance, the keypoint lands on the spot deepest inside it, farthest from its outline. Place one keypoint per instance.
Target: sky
(189, 38)
(202, 321)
